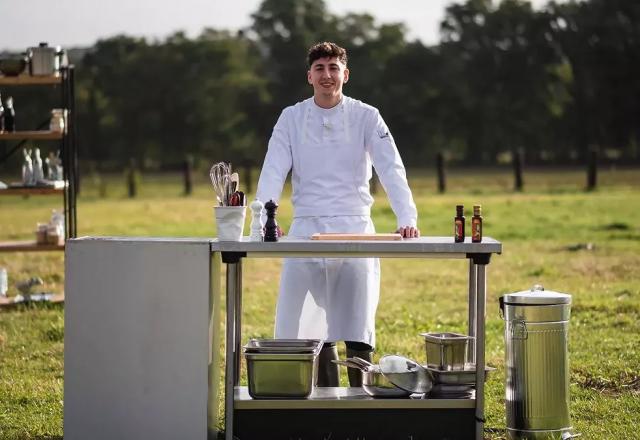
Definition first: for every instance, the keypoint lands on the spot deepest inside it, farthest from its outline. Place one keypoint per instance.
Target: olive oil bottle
(458, 224)
(476, 224)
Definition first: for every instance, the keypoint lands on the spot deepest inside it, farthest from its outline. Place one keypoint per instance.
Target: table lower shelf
(348, 413)
(341, 398)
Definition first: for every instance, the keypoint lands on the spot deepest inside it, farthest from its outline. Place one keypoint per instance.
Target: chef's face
(327, 75)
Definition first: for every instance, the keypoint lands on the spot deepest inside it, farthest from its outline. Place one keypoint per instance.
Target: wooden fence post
(373, 183)
(187, 169)
(248, 183)
(592, 170)
(132, 184)
(442, 181)
(518, 161)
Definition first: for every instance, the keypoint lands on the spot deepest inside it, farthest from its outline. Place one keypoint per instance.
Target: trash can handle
(537, 288)
(519, 330)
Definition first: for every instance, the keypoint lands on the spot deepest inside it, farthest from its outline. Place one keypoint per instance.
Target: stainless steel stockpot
(44, 60)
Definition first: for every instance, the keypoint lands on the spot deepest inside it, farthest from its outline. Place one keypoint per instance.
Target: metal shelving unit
(69, 154)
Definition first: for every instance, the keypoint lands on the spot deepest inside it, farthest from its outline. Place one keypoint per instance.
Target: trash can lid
(537, 296)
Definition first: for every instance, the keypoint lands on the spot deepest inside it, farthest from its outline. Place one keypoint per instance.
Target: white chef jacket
(330, 153)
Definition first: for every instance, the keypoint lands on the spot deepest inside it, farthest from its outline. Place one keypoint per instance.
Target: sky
(80, 23)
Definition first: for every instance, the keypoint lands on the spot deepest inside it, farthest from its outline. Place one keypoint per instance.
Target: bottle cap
(477, 209)
(459, 209)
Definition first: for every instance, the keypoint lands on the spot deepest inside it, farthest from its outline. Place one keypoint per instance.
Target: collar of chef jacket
(343, 108)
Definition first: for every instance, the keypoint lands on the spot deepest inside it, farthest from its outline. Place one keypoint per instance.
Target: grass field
(544, 232)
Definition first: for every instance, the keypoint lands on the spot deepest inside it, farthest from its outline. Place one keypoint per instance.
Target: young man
(330, 142)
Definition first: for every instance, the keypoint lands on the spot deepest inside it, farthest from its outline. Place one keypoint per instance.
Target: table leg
(232, 269)
(471, 329)
(237, 332)
(480, 337)
(214, 344)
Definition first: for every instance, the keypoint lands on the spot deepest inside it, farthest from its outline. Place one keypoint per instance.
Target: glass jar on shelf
(57, 123)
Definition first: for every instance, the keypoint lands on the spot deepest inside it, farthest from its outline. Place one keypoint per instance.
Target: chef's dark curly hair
(326, 49)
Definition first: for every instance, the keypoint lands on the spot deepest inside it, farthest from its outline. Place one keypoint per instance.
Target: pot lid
(537, 296)
(406, 374)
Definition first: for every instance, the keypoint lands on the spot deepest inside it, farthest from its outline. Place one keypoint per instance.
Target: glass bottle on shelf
(1, 116)
(9, 117)
(458, 224)
(27, 168)
(4, 282)
(476, 224)
(38, 175)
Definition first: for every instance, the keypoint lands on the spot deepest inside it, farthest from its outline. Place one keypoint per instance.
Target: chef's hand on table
(408, 232)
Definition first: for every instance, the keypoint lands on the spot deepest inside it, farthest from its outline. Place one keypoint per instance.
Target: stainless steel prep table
(237, 402)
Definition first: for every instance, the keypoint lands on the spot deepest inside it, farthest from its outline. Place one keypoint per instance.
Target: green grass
(544, 232)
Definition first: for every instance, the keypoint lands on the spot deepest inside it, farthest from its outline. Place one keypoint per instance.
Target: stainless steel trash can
(537, 364)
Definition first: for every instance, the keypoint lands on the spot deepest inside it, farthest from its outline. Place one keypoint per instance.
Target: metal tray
(458, 377)
(283, 346)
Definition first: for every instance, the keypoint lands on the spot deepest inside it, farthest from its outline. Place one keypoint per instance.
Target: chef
(329, 142)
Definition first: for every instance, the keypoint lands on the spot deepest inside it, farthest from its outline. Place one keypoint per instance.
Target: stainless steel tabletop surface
(442, 246)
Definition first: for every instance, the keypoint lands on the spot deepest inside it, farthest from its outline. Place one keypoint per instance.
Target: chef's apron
(333, 299)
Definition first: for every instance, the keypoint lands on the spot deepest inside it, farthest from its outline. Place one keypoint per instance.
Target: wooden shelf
(36, 135)
(29, 191)
(51, 298)
(26, 80)
(28, 246)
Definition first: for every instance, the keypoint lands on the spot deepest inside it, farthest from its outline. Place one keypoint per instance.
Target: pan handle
(350, 364)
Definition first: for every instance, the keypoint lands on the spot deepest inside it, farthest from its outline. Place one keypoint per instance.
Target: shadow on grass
(33, 305)
(37, 437)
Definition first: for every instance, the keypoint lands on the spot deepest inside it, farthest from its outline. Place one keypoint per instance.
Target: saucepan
(395, 376)
(373, 381)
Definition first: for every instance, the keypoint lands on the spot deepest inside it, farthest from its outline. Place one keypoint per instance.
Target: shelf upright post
(75, 180)
(65, 157)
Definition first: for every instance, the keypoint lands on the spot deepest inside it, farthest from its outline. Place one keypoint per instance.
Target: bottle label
(458, 230)
(476, 231)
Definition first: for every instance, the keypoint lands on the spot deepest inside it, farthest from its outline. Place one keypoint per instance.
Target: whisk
(220, 175)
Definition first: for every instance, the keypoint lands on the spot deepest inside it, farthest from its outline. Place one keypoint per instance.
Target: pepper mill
(271, 226)
(257, 233)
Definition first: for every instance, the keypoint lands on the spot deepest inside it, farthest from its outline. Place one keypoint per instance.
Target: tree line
(551, 85)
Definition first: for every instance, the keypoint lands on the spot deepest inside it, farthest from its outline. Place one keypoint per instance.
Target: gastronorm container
(446, 351)
(458, 377)
(283, 375)
(282, 346)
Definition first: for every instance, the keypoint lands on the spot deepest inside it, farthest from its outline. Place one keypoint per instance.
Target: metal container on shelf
(446, 351)
(44, 60)
(282, 369)
(537, 364)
